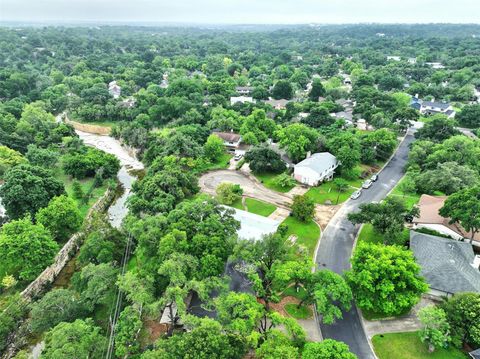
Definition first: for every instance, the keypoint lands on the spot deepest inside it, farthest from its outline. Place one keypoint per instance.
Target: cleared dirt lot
(251, 187)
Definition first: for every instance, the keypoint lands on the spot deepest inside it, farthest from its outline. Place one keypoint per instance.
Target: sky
(241, 11)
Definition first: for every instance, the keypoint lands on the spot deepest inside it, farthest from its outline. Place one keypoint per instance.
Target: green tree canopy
(264, 159)
(26, 249)
(327, 349)
(385, 279)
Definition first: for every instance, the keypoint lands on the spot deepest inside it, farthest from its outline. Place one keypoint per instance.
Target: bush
(303, 208)
(227, 193)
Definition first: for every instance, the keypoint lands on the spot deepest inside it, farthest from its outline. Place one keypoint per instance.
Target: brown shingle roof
(228, 136)
(429, 207)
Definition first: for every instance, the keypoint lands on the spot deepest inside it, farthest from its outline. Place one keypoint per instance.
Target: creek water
(118, 210)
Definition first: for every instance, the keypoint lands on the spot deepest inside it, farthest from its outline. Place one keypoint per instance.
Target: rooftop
(228, 136)
(446, 263)
(253, 226)
(429, 207)
(436, 104)
(319, 162)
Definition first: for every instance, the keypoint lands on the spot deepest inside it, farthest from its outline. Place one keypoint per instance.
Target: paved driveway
(251, 187)
(336, 247)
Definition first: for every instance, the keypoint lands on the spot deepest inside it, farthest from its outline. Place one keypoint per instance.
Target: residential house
(254, 226)
(316, 168)
(435, 65)
(277, 104)
(114, 89)
(231, 140)
(434, 107)
(347, 81)
(128, 102)
(363, 125)
(241, 99)
(393, 58)
(429, 217)
(448, 266)
(412, 60)
(244, 90)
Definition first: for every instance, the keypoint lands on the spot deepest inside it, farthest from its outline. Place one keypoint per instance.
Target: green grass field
(291, 292)
(267, 180)
(326, 192)
(86, 184)
(410, 199)
(408, 346)
(221, 163)
(303, 312)
(259, 207)
(307, 233)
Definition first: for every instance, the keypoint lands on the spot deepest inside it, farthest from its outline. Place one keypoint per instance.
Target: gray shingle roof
(441, 105)
(319, 162)
(446, 263)
(475, 354)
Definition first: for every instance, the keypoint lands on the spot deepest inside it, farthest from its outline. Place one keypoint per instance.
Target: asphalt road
(336, 246)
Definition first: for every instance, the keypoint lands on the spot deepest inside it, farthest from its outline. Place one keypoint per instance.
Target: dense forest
(163, 91)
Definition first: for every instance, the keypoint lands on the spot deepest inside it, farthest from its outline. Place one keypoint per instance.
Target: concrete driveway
(250, 185)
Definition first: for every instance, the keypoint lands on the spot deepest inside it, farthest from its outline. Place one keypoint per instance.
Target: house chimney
(416, 96)
(433, 99)
(309, 154)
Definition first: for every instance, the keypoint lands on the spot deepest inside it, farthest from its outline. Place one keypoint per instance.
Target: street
(336, 246)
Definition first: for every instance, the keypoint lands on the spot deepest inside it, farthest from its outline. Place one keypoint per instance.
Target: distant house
(435, 65)
(315, 169)
(416, 103)
(241, 99)
(429, 217)
(345, 115)
(412, 60)
(393, 58)
(380, 34)
(114, 89)
(231, 140)
(128, 102)
(244, 90)
(347, 81)
(434, 107)
(448, 266)
(363, 125)
(277, 104)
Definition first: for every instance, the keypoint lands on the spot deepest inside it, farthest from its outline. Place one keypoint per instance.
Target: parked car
(374, 177)
(356, 194)
(238, 157)
(367, 184)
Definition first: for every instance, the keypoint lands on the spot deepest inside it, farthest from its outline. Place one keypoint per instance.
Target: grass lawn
(291, 292)
(259, 207)
(238, 204)
(326, 192)
(408, 346)
(307, 233)
(303, 312)
(369, 235)
(268, 181)
(409, 198)
(221, 163)
(86, 184)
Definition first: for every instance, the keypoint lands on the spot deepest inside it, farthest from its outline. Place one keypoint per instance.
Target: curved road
(336, 246)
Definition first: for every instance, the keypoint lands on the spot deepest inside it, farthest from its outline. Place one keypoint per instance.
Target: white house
(430, 218)
(114, 89)
(315, 169)
(254, 226)
(231, 140)
(241, 99)
(277, 104)
(244, 90)
(393, 58)
(434, 107)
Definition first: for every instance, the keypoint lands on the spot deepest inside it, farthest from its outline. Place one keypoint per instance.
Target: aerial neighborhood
(230, 192)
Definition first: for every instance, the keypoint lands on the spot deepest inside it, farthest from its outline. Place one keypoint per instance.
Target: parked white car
(367, 184)
(374, 177)
(356, 194)
(238, 157)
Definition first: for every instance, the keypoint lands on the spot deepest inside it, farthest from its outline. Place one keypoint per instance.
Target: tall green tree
(27, 189)
(303, 208)
(26, 249)
(327, 349)
(435, 327)
(385, 279)
(61, 217)
(298, 139)
(464, 207)
(282, 90)
(79, 339)
(317, 90)
(264, 159)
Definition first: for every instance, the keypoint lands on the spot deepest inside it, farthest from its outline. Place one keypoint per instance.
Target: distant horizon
(217, 24)
(241, 12)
